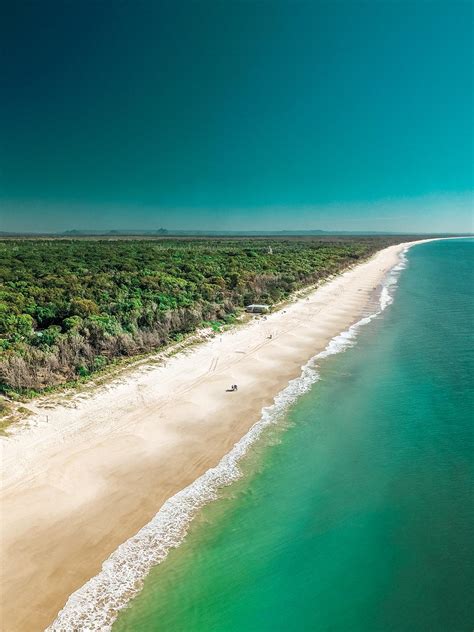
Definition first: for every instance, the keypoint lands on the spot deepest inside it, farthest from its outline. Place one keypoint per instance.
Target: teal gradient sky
(237, 115)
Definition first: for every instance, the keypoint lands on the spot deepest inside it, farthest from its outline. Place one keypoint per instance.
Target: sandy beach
(81, 479)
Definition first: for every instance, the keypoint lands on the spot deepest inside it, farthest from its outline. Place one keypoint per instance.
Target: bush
(82, 371)
(67, 308)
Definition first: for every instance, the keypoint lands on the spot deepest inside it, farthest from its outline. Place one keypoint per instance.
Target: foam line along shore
(96, 604)
(94, 475)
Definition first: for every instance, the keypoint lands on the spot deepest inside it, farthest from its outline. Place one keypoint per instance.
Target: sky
(235, 115)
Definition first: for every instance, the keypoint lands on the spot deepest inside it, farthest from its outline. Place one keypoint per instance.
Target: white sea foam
(96, 604)
(386, 296)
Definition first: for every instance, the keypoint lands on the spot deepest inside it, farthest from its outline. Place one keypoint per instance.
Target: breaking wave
(96, 605)
(388, 286)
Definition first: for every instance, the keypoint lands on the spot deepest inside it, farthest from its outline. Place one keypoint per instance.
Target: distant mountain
(163, 232)
(80, 233)
(218, 233)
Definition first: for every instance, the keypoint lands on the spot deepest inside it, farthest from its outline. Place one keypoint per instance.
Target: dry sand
(78, 485)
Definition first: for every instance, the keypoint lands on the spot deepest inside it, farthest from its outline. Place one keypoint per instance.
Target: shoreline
(90, 478)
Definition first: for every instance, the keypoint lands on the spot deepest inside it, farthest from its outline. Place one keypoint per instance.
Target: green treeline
(69, 307)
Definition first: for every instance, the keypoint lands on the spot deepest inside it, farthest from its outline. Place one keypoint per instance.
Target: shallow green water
(359, 515)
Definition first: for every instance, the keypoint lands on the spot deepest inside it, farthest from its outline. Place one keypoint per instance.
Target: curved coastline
(101, 468)
(96, 605)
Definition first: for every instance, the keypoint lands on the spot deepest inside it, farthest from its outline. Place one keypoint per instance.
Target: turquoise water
(357, 514)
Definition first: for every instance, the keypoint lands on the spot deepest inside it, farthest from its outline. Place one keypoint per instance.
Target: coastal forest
(70, 307)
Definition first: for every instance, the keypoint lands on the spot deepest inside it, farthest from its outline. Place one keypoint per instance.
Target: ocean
(355, 508)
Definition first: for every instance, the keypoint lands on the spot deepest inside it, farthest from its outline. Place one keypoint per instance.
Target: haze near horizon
(236, 116)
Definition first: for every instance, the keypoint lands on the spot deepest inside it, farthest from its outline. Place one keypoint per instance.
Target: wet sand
(80, 484)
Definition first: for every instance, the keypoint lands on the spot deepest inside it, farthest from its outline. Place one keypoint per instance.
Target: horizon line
(163, 232)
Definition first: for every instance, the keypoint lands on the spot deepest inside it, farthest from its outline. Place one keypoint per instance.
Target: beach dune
(84, 477)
